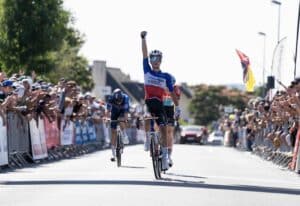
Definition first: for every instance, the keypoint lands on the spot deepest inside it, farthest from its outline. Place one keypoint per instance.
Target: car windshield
(192, 129)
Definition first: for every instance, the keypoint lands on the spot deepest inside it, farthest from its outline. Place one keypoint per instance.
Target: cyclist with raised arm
(155, 84)
(118, 107)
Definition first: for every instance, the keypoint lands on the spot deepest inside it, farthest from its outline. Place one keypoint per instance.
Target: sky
(198, 38)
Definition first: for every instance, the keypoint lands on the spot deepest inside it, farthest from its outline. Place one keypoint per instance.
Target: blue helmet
(117, 95)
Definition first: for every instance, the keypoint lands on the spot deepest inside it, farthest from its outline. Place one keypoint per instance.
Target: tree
(69, 64)
(38, 35)
(205, 106)
(28, 31)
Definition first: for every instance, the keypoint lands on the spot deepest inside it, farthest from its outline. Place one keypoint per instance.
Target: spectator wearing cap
(10, 102)
(6, 89)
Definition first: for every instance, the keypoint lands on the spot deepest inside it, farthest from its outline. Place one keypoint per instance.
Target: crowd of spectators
(34, 99)
(37, 98)
(269, 124)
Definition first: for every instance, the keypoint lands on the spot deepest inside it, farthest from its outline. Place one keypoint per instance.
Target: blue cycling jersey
(111, 103)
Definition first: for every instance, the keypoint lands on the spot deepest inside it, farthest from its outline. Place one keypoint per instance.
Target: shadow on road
(169, 183)
(132, 167)
(181, 175)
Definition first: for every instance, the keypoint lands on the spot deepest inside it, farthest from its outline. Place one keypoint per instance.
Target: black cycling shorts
(115, 115)
(170, 110)
(156, 109)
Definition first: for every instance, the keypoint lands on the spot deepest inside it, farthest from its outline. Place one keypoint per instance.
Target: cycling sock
(113, 150)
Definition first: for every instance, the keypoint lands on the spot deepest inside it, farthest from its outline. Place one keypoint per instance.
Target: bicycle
(120, 144)
(155, 149)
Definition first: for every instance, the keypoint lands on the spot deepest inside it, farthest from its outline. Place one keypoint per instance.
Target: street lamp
(278, 3)
(264, 61)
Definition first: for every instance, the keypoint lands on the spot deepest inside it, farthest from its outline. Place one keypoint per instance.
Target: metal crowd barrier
(278, 151)
(24, 142)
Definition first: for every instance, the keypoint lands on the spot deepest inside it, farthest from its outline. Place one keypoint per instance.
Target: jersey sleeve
(126, 103)
(169, 83)
(146, 65)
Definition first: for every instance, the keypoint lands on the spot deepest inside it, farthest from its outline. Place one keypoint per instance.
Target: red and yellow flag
(248, 76)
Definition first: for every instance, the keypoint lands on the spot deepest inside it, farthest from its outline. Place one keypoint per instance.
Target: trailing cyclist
(118, 107)
(155, 83)
(169, 108)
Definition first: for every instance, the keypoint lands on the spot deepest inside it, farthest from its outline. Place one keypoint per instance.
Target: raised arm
(144, 44)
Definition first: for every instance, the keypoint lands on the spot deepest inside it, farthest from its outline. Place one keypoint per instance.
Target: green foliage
(259, 91)
(38, 35)
(69, 64)
(30, 29)
(205, 106)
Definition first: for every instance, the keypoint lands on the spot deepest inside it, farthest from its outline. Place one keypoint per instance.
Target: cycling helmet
(117, 96)
(155, 55)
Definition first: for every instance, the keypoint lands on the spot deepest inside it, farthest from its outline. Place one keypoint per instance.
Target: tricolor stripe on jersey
(155, 82)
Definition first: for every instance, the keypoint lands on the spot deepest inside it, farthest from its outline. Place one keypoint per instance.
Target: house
(109, 78)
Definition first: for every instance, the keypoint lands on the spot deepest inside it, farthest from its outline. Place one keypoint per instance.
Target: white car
(191, 133)
(216, 138)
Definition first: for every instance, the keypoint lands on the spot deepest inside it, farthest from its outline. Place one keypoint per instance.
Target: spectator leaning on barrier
(270, 126)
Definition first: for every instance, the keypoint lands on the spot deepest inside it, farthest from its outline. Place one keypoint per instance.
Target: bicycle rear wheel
(154, 157)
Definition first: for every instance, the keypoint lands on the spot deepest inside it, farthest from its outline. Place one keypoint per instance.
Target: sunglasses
(155, 58)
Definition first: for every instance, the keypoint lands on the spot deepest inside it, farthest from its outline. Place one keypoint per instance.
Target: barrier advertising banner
(3, 144)
(91, 131)
(84, 131)
(67, 132)
(41, 128)
(52, 133)
(38, 142)
(78, 138)
(295, 153)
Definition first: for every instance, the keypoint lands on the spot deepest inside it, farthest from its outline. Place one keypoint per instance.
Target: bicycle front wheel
(155, 160)
(118, 151)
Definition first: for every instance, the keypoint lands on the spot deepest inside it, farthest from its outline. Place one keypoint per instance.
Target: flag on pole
(248, 76)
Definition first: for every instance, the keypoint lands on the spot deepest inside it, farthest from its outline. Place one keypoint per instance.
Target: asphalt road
(202, 175)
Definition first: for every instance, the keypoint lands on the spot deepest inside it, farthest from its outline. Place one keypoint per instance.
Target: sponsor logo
(155, 81)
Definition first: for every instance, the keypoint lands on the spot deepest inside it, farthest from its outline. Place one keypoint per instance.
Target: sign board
(228, 109)
(103, 90)
(38, 140)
